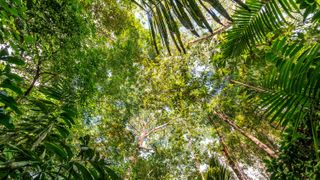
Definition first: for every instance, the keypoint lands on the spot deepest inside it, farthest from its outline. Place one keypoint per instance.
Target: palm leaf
(294, 84)
(251, 27)
(164, 17)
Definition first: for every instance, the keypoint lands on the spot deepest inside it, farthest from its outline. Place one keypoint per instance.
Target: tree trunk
(233, 164)
(197, 163)
(196, 160)
(143, 135)
(253, 139)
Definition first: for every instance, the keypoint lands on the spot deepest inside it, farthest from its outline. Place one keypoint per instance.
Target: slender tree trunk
(143, 135)
(233, 164)
(133, 159)
(253, 139)
(197, 162)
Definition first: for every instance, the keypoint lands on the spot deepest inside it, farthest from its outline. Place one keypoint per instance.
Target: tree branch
(219, 31)
(36, 77)
(248, 86)
(144, 134)
(158, 128)
(233, 164)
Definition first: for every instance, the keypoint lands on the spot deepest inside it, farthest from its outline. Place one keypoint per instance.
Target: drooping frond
(251, 22)
(294, 86)
(165, 17)
(252, 26)
(294, 83)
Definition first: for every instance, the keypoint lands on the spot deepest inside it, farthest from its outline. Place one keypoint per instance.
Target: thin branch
(145, 148)
(133, 128)
(248, 86)
(50, 73)
(144, 134)
(158, 128)
(219, 31)
(36, 77)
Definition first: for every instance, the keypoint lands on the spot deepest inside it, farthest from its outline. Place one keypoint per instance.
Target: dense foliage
(110, 89)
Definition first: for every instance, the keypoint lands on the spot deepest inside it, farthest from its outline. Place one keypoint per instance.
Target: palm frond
(294, 83)
(309, 8)
(292, 89)
(252, 26)
(165, 17)
(251, 22)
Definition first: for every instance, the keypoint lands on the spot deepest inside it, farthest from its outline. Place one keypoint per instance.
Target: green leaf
(10, 102)
(14, 77)
(13, 60)
(68, 118)
(6, 120)
(63, 131)
(7, 83)
(84, 171)
(111, 173)
(56, 149)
